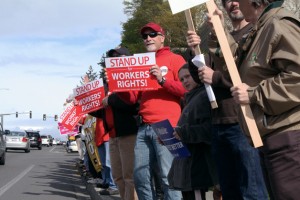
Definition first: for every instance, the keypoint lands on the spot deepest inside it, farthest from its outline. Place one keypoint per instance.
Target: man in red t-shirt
(155, 106)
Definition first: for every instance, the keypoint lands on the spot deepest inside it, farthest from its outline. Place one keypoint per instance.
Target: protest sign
(69, 118)
(129, 73)
(231, 66)
(65, 131)
(89, 97)
(179, 5)
(165, 131)
(89, 128)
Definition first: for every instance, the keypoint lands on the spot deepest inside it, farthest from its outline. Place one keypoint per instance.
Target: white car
(45, 140)
(72, 146)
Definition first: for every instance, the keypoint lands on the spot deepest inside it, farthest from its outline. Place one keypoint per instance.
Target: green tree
(102, 65)
(140, 12)
(91, 74)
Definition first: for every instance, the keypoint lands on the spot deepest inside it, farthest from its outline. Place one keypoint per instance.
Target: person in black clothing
(193, 175)
(120, 123)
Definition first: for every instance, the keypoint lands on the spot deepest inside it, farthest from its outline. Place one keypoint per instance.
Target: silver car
(17, 140)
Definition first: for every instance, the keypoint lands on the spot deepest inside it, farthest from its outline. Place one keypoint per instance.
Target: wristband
(163, 80)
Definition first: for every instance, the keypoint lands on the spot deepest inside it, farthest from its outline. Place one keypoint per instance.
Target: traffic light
(17, 114)
(30, 114)
(55, 117)
(44, 117)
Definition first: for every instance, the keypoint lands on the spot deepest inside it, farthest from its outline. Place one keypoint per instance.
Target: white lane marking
(15, 180)
(52, 149)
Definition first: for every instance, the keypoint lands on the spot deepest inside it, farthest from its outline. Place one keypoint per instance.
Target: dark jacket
(270, 65)
(194, 128)
(227, 111)
(122, 118)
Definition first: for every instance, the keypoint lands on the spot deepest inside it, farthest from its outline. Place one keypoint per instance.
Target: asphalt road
(47, 174)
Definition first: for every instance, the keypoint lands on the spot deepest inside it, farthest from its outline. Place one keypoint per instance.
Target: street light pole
(16, 113)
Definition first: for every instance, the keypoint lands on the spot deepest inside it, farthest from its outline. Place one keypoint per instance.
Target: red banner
(69, 118)
(131, 73)
(89, 97)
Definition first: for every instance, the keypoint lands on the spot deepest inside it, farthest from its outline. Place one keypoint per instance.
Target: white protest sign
(180, 5)
(90, 86)
(128, 73)
(199, 61)
(141, 59)
(69, 118)
(89, 97)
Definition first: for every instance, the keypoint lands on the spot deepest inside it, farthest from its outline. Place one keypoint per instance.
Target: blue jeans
(238, 164)
(103, 150)
(146, 150)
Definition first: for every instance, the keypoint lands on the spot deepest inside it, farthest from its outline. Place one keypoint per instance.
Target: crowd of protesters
(265, 42)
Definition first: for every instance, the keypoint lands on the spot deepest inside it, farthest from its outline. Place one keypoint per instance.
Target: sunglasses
(152, 35)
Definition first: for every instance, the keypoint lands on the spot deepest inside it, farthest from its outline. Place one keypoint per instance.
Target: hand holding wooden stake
(178, 6)
(235, 77)
(199, 60)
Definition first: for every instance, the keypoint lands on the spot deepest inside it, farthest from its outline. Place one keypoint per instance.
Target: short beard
(151, 48)
(238, 17)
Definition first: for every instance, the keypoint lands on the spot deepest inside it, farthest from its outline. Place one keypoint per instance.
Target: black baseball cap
(122, 51)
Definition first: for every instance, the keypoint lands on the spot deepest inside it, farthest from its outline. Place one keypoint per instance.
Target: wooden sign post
(200, 58)
(232, 69)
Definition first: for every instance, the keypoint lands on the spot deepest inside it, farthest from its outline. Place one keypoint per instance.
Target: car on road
(2, 146)
(45, 140)
(59, 142)
(17, 140)
(71, 146)
(35, 139)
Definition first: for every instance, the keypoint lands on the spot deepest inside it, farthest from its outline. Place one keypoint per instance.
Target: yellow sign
(89, 129)
(72, 138)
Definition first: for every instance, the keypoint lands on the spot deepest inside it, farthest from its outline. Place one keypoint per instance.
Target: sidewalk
(94, 191)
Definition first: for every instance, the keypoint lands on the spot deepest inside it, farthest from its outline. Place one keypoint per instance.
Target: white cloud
(45, 47)
(58, 18)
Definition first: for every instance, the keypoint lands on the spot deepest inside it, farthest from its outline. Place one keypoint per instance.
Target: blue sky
(45, 48)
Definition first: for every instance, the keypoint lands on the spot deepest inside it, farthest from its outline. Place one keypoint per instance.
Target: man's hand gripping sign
(130, 73)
